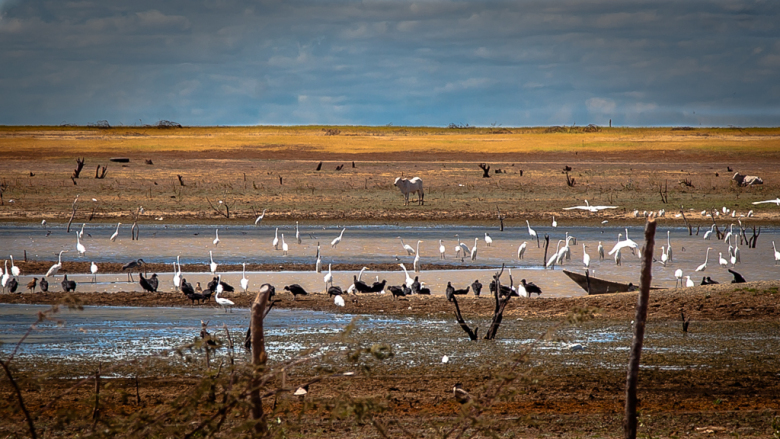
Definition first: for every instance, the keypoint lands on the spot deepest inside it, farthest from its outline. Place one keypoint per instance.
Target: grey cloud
(375, 62)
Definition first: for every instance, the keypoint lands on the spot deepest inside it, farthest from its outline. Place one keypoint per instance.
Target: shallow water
(116, 333)
(379, 244)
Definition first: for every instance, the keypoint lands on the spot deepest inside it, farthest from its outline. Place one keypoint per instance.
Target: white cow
(411, 186)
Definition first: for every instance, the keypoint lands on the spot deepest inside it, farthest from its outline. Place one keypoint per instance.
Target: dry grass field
(252, 168)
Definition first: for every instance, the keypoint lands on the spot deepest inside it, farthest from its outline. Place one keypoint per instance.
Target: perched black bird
(396, 291)
(212, 286)
(145, 284)
(296, 290)
(531, 288)
(424, 291)
(460, 395)
(225, 287)
(335, 291)
(462, 292)
(186, 287)
(44, 285)
(738, 279)
(378, 287)
(360, 286)
(416, 285)
(449, 291)
(12, 285)
(632, 287)
(476, 287)
(708, 281)
(154, 282)
(505, 290)
(68, 285)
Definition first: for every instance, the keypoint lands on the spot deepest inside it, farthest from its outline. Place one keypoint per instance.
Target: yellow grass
(356, 140)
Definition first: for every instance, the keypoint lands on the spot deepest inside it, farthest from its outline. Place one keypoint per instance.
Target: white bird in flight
(590, 208)
(776, 201)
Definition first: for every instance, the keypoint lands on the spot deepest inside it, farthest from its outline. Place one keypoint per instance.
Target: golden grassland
(252, 168)
(371, 140)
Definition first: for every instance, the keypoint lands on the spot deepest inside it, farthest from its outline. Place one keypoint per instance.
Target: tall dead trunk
(630, 422)
(259, 358)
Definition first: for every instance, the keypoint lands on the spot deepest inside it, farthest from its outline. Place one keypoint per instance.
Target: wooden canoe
(594, 285)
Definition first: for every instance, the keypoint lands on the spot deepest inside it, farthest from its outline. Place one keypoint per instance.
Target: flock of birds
(562, 253)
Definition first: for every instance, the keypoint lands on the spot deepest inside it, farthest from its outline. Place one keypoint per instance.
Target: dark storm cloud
(377, 62)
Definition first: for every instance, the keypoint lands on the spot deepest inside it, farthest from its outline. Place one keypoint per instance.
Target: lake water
(378, 244)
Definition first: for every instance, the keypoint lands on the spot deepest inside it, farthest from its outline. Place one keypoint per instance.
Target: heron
(212, 265)
(336, 241)
(703, 266)
(244, 280)
(416, 263)
(56, 267)
(224, 303)
(409, 249)
(276, 239)
(260, 218)
(216, 240)
(328, 277)
(116, 233)
(130, 265)
(93, 268)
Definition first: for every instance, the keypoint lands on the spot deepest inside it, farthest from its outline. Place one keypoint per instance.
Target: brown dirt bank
(748, 301)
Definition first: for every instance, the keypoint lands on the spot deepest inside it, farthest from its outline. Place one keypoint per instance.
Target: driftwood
(500, 219)
(472, 334)
(485, 170)
(73, 214)
(498, 312)
(570, 180)
(646, 276)
(181, 180)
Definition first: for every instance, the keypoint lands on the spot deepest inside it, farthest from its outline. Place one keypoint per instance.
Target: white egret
(212, 265)
(669, 245)
(554, 223)
(688, 282)
(93, 268)
(709, 232)
(409, 281)
(554, 256)
(488, 240)
(244, 281)
(601, 251)
(474, 250)
(416, 263)
(328, 278)
(678, 274)
(338, 301)
(285, 247)
(664, 256)
(618, 258)
(81, 232)
(297, 233)
(336, 241)
(521, 250)
(532, 232)
(463, 247)
(6, 276)
(622, 244)
(777, 254)
(728, 235)
(585, 257)
(116, 233)
(275, 242)
(722, 261)
(442, 250)
(736, 258)
(409, 249)
(16, 272)
(216, 240)
(775, 201)
(176, 275)
(56, 267)
(318, 264)
(224, 303)
(260, 218)
(80, 247)
(703, 266)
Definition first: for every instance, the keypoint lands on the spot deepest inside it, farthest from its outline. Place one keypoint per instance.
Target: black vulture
(416, 285)
(44, 285)
(145, 284)
(12, 285)
(378, 287)
(186, 287)
(476, 287)
(361, 286)
(335, 291)
(296, 290)
(449, 291)
(154, 282)
(505, 290)
(68, 285)
(424, 291)
(708, 281)
(396, 291)
(531, 288)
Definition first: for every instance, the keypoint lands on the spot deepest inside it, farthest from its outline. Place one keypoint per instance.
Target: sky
(432, 63)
